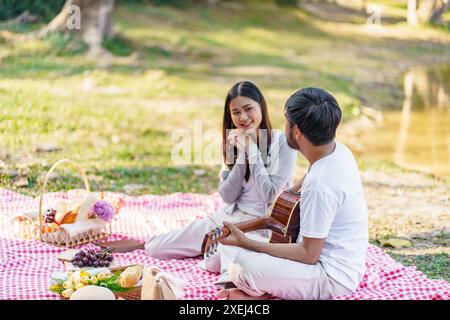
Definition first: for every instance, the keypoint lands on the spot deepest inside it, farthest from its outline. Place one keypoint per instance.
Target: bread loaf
(130, 277)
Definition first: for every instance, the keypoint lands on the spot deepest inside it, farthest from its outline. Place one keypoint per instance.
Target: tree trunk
(440, 10)
(428, 10)
(412, 12)
(92, 19)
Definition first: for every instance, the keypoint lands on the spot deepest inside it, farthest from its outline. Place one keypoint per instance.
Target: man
(328, 259)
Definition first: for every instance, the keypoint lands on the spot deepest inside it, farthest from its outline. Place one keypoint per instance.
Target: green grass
(435, 266)
(174, 66)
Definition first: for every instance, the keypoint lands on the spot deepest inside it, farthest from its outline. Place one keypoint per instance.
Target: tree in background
(420, 12)
(92, 19)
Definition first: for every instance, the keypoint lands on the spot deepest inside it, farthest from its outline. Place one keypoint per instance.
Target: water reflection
(418, 136)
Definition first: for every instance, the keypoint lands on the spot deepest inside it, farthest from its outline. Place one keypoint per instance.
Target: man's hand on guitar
(235, 238)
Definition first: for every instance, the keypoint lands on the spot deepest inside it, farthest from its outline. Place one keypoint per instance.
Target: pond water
(417, 136)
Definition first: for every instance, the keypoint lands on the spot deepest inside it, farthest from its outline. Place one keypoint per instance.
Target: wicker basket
(36, 228)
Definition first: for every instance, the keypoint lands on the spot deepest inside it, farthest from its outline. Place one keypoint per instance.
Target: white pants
(258, 273)
(187, 241)
(252, 272)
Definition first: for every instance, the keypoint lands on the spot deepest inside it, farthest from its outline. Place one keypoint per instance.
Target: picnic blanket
(25, 266)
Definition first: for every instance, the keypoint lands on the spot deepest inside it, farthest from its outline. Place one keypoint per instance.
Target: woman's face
(245, 113)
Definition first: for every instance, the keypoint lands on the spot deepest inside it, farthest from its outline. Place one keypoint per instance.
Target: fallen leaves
(396, 243)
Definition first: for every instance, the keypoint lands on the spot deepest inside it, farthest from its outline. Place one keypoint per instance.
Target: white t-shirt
(333, 207)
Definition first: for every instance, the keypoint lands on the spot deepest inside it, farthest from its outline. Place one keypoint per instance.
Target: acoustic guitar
(283, 220)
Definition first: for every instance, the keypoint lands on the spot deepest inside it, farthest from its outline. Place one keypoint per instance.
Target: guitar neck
(256, 224)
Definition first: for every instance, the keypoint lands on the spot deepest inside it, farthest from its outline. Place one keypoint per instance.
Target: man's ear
(297, 133)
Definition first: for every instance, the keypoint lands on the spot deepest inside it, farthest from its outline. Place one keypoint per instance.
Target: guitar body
(283, 220)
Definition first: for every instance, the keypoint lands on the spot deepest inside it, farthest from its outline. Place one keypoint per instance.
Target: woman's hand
(236, 139)
(241, 140)
(235, 238)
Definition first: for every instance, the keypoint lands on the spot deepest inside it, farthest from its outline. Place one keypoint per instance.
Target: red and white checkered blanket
(25, 266)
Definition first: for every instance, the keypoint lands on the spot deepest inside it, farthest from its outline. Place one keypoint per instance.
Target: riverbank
(413, 207)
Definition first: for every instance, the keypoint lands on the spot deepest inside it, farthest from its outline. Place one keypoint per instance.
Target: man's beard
(292, 143)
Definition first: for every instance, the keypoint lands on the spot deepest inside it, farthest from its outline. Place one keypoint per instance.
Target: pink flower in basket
(104, 210)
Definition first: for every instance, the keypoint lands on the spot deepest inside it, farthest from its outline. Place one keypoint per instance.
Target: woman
(250, 178)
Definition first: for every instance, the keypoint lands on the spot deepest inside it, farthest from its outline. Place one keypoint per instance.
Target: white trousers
(187, 241)
(258, 273)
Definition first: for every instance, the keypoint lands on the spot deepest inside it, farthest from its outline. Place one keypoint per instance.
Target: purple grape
(109, 258)
(85, 260)
(101, 263)
(96, 264)
(107, 263)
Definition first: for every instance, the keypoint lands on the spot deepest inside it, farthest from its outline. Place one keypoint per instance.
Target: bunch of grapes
(50, 215)
(93, 258)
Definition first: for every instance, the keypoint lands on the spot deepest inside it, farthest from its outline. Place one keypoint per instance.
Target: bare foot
(236, 294)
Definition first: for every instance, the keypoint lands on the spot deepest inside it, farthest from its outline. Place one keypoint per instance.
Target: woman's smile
(247, 125)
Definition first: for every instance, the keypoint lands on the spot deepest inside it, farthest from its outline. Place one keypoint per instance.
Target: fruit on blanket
(93, 258)
(59, 217)
(65, 217)
(50, 227)
(83, 273)
(70, 217)
(93, 280)
(104, 275)
(85, 280)
(50, 215)
(68, 284)
(67, 293)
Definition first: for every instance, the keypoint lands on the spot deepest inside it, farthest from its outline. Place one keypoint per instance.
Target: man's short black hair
(316, 113)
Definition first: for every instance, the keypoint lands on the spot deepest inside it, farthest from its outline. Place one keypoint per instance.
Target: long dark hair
(249, 90)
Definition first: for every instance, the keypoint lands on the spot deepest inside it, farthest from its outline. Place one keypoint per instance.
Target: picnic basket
(36, 228)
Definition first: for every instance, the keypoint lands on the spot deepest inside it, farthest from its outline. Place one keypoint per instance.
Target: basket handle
(47, 177)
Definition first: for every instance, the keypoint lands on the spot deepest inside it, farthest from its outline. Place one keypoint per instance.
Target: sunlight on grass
(173, 67)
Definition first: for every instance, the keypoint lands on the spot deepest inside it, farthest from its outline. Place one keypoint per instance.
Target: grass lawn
(174, 66)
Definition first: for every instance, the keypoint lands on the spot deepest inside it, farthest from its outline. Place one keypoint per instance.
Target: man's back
(333, 207)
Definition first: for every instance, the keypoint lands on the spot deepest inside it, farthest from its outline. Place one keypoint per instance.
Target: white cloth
(250, 200)
(257, 274)
(81, 227)
(333, 207)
